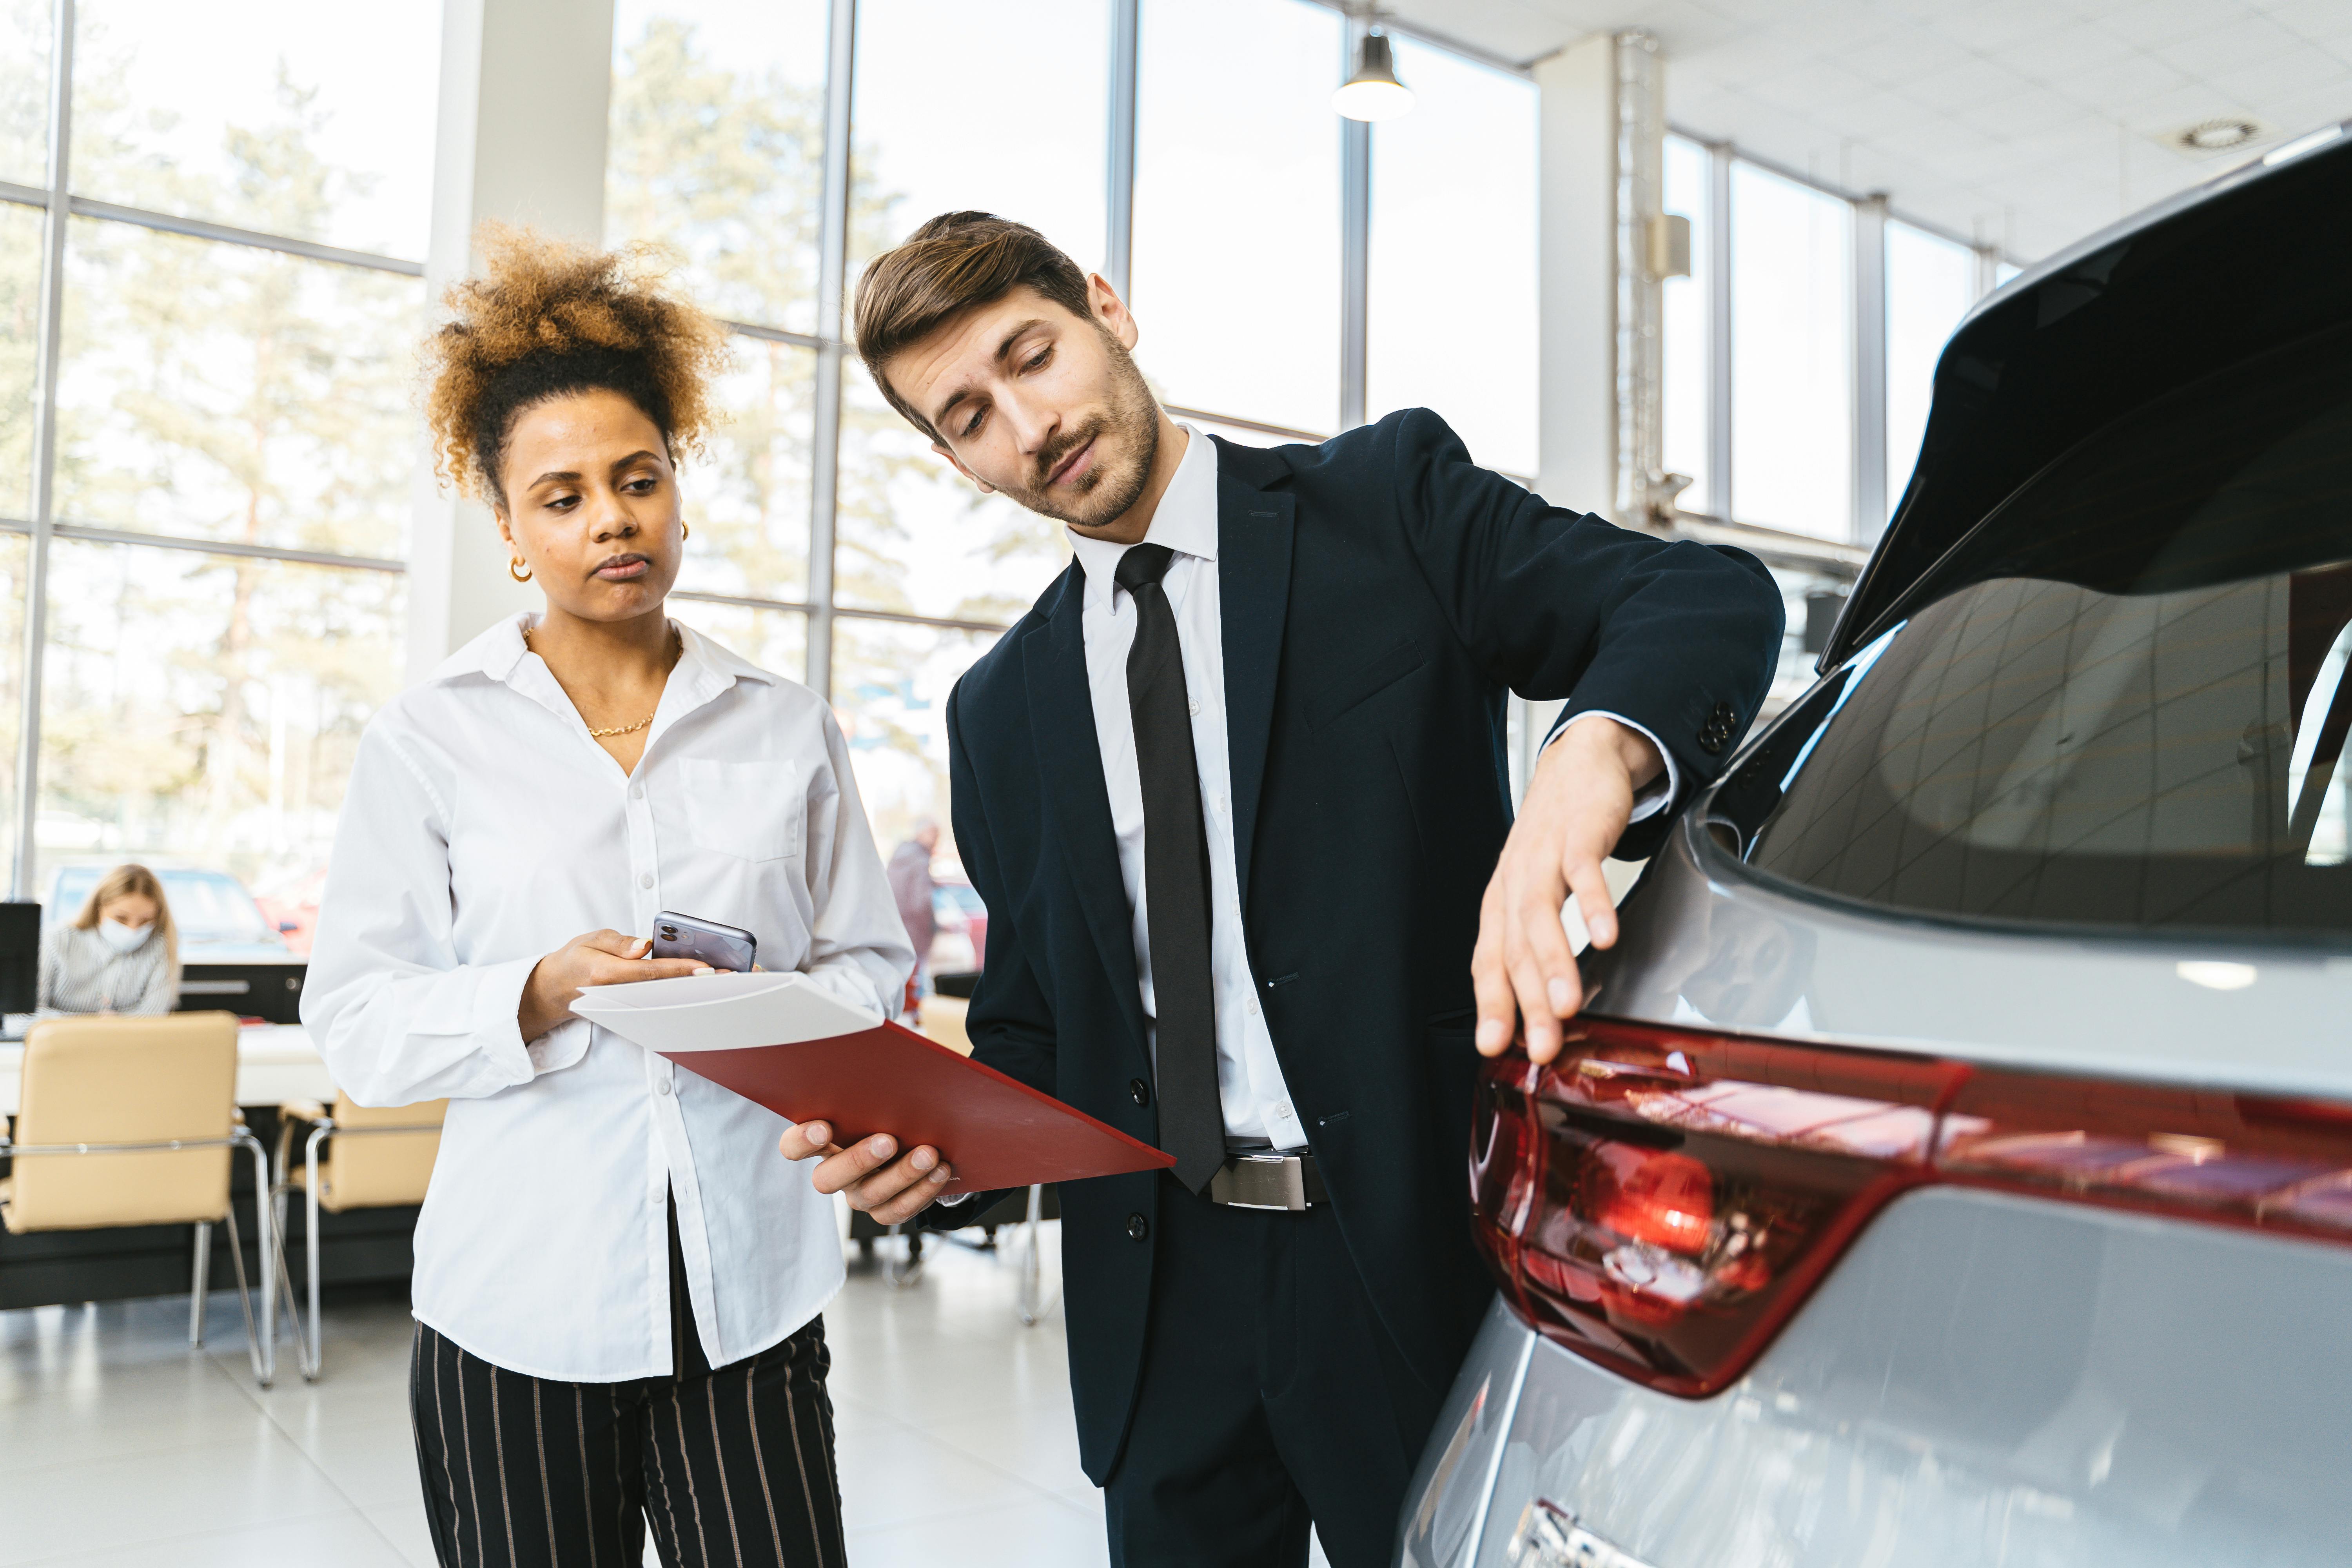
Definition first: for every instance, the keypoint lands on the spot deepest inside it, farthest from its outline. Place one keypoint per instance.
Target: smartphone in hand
(719, 946)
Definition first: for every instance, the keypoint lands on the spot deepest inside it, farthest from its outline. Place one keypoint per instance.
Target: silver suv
(1957, 1168)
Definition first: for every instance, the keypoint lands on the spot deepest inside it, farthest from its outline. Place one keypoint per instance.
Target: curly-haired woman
(617, 1283)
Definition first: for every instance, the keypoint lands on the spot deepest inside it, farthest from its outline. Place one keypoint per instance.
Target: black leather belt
(1268, 1181)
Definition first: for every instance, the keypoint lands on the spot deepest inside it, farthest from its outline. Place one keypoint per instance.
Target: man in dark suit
(1234, 793)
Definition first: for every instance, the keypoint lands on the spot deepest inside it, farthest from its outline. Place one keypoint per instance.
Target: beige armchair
(130, 1120)
(379, 1158)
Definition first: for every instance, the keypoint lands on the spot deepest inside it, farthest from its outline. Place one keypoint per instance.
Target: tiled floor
(120, 1445)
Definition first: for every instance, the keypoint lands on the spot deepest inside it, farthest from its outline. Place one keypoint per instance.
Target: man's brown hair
(954, 263)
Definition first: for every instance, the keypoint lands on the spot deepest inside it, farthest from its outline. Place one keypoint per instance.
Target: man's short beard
(1104, 495)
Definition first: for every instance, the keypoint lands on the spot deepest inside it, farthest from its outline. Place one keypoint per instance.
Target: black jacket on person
(1380, 595)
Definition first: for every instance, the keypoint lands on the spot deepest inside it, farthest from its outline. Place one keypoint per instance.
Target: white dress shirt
(1256, 1100)
(483, 828)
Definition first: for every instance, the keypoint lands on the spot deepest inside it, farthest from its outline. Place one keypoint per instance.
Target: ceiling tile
(2059, 54)
(2113, 89)
(2248, 41)
(2150, 23)
(1994, 24)
(2154, 113)
(2301, 70)
(2030, 115)
(1893, 62)
(2310, 18)
(1972, 81)
(2295, 113)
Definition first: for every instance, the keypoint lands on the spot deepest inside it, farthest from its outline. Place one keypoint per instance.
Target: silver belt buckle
(1260, 1182)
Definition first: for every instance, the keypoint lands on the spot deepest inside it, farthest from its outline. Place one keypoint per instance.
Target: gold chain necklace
(601, 734)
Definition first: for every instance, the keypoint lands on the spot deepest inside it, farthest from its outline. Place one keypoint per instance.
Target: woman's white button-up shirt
(483, 829)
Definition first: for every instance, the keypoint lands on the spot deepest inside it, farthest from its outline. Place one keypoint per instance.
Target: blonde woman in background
(120, 954)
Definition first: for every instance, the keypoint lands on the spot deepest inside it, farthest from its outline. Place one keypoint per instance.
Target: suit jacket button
(1138, 1227)
(1140, 1089)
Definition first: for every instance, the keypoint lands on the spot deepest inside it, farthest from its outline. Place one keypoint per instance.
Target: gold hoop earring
(521, 575)
(684, 532)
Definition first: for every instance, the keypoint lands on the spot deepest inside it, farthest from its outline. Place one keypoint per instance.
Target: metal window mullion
(1355, 241)
(1313, 437)
(226, 233)
(773, 334)
(51, 345)
(1718, 329)
(793, 606)
(1119, 244)
(1870, 477)
(832, 280)
(85, 533)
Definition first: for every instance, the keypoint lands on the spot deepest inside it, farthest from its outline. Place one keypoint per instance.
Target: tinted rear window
(2122, 702)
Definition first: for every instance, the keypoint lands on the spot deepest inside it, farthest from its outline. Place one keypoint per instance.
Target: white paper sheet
(721, 1012)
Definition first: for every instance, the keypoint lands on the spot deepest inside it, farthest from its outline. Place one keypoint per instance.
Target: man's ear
(985, 488)
(1110, 311)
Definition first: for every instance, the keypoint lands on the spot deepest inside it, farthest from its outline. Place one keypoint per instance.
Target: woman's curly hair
(547, 318)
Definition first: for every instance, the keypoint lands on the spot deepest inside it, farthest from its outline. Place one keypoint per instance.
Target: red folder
(992, 1131)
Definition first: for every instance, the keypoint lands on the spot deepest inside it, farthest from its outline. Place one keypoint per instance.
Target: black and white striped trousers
(732, 1466)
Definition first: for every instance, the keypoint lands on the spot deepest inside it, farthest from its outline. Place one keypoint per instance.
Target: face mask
(120, 937)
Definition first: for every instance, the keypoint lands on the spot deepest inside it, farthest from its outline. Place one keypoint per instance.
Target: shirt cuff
(1659, 792)
(950, 1203)
(497, 1025)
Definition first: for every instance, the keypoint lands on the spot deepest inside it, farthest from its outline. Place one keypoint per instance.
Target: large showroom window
(1764, 395)
(1237, 158)
(1792, 415)
(1930, 283)
(1450, 309)
(206, 426)
(208, 443)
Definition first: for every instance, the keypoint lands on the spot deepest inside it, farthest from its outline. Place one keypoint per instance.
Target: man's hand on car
(1577, 806)
(892, 1191)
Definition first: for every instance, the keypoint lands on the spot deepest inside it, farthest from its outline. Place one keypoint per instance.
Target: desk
(275, 1062)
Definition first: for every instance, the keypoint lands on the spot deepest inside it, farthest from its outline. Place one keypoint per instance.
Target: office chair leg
(245, 1298)
(899, 1275)
(200, 1284)
(311, 1240)
(304, 1358)
(1032, 1304)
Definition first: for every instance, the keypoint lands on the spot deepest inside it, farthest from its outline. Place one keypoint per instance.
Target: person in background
(120, 954)
(617, 1297)
(911, 885)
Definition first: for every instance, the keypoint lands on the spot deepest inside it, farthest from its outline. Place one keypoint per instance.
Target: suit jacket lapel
(1069, 763)
(1254, 533)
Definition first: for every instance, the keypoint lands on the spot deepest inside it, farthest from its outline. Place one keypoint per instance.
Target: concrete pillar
(1576, 248)
(1600, 150)
(525, 92)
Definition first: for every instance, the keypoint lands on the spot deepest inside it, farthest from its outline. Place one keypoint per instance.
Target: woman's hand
(599, 958)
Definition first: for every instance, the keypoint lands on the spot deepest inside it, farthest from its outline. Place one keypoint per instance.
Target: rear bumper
(1983, 1379)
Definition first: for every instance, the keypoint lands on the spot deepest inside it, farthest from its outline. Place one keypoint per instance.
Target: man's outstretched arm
(1663, 651)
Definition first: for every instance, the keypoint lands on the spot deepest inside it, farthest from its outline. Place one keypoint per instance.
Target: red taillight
(1661, 1201)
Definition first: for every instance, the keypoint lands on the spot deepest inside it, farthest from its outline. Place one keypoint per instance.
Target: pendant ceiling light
(1373, 92)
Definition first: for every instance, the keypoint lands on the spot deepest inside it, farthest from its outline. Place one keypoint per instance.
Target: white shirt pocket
(752, 811)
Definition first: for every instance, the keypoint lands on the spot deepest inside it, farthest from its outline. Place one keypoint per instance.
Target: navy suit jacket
(1381, 596)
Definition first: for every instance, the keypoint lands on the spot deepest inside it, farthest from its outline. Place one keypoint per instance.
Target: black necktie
(1175, 876)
